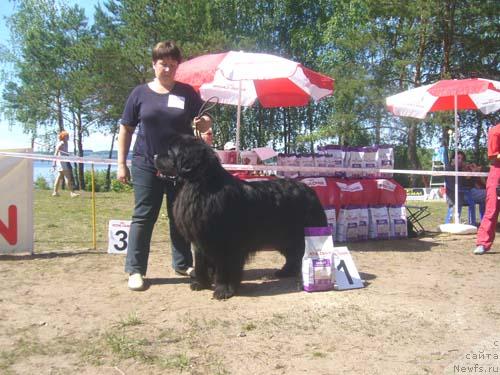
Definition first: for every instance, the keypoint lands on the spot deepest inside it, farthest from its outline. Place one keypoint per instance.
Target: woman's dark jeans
(148, 192)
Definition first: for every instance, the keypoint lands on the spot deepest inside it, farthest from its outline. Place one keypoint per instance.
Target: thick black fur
(227, 219)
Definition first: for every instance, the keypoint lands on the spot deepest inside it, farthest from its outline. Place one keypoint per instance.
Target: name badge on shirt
(175, 101)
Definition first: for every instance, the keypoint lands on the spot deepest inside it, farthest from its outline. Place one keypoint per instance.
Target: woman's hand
(123, 174)
(203, 123)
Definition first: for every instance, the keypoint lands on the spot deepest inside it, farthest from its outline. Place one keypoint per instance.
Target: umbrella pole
(238, 116)
(455, 206)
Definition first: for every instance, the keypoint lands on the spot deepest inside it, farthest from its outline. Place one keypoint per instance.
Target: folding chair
(415, 215)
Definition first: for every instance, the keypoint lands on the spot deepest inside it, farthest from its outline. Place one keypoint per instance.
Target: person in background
(487, 228)
(159, 109)
(63, 168)
(469, 183)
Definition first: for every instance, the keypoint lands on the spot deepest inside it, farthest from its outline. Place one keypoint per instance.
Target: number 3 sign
(118, 236)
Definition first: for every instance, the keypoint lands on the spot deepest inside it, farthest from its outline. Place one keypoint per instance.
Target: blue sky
(13, 137)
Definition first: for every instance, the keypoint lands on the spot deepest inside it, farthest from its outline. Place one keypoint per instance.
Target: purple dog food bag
(317, 264)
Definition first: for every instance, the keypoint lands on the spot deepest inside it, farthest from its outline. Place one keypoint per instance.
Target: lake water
(43, 168)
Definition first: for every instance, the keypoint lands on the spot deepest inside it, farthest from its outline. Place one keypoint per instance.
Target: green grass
(67, 223)
(131, 320)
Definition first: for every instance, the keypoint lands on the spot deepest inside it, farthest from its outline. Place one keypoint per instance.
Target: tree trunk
(448, 31)
(378, 124)
(412, 125)
(79, 142)
(309, 112)
(412, 151)
(477, 141)
(110, 156)
(60, 119)
(286, 131)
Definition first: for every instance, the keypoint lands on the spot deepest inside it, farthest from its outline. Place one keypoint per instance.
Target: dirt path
(428, 307)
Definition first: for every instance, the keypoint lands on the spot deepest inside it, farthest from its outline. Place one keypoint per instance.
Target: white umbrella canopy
(241, 78)
(445, 95)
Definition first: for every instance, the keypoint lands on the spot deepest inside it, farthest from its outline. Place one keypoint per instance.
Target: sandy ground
(429, 307)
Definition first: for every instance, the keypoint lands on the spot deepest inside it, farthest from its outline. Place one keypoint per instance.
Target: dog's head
(185, 157)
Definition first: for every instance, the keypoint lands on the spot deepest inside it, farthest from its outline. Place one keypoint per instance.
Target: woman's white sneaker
(136, 282)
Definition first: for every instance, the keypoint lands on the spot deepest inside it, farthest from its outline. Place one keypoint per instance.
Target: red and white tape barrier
(241, 167)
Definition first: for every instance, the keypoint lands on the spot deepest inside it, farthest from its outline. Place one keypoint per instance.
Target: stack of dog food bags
(318, 263)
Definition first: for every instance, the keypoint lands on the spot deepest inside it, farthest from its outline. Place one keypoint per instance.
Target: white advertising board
(16, 204)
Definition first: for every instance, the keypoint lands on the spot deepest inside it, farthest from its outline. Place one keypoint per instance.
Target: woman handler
(159, 109)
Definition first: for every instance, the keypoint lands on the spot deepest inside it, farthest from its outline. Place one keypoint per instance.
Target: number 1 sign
(346, 273)
(118, 236)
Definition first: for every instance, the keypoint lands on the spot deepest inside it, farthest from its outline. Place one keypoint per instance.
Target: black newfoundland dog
(227, 219)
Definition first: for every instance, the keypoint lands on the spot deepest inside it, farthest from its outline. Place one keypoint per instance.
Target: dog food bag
(370, 162)
(331, 217)
(363, 220)
(385, 160)
(347, 224)
(290, 160)
(281, 162)
(337, 159)
(398, 223)
(329, 163)
(354, 160)
(306, 160)
(317, 264)
(379, 227)
(319, 160)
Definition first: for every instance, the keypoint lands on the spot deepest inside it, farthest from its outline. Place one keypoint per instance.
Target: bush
(41, 183)
(100, 182)
(118, 187)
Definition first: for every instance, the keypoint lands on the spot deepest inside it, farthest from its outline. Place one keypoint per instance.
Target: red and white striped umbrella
(471, 93)
(273, 80)
(446, 95)
(241, 78)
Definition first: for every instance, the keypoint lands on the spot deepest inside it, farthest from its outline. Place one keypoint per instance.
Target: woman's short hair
(63, 134)
(166, 49)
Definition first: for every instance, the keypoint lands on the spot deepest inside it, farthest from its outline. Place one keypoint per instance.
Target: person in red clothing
(486, 231)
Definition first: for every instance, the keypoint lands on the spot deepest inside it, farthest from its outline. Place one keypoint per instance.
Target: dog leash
(205, 109)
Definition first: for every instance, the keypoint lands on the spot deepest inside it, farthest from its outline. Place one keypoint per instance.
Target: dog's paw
(223, 292)
(195, 285)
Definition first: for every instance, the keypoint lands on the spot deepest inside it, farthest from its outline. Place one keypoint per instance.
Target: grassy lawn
(64, 223)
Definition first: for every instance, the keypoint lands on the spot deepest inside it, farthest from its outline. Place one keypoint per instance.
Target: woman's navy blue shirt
(159, 116)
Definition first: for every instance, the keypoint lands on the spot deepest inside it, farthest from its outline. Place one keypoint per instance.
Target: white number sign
(118, 236)
(346, 273)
